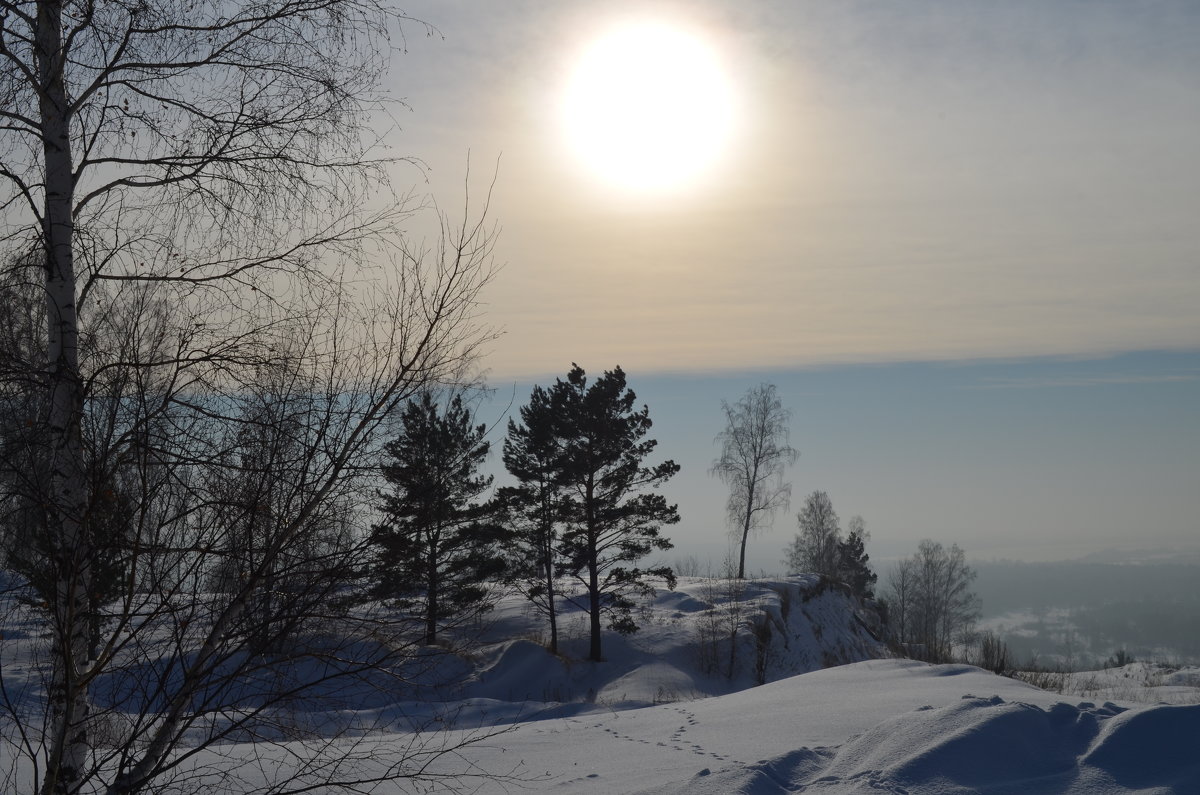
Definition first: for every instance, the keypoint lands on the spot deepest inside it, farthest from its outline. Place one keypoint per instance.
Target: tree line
(583, 509)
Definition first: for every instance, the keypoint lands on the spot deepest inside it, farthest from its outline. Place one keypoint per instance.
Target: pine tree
(438, 545)
(612, 519)
(854, 567)
(534, 509)
(25, 548)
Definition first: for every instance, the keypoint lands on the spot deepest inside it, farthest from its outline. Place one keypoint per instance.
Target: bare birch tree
(899, 597)
(754, 454)
(815, 547)
(189, 186)
(930, 601)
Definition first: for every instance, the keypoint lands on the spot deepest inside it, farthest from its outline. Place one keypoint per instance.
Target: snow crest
(987, 746)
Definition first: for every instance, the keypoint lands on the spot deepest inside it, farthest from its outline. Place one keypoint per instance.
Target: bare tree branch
(218, 321)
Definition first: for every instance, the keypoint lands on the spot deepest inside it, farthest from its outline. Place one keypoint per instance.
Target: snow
(884, 725)
(1139, 682)
(649, 720)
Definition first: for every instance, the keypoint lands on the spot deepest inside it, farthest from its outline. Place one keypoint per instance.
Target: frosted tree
(930, 601)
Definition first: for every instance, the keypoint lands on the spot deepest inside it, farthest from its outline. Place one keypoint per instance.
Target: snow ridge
(985, 745)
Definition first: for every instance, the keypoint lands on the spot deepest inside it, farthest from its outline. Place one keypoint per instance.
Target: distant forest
(1087, 611)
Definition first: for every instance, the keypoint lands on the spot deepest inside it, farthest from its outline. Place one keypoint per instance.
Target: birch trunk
(67, 497)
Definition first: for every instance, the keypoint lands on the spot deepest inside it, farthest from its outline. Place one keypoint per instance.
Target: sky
(960, 237)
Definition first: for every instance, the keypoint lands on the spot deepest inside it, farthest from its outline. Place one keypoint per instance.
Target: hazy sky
(1013, 187)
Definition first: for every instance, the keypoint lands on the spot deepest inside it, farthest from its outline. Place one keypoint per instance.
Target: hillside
(779, 628)
(866, 725)
(665, 714)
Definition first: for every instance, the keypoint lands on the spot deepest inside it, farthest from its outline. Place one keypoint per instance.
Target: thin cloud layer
(946, 182)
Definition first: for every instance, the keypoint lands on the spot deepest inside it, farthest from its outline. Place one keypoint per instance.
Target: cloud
(908, 187)
(1057, 382)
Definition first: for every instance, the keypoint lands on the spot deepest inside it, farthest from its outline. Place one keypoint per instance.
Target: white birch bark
(67, 477)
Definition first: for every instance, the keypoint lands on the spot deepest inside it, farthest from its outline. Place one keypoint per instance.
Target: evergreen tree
(853, 561)
(534, 508)
(437, 545)
(612, 519)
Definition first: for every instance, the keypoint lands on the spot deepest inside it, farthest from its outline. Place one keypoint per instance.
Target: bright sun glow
(648, 108)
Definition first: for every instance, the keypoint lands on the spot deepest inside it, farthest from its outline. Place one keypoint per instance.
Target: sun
(648, 108)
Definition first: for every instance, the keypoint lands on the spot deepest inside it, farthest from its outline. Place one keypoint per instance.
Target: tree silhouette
(754, 454)
(815, 547)
(931, 601)
(438, 545)
(610, 518)
(535, 508)
(853, 562)
(189, 185)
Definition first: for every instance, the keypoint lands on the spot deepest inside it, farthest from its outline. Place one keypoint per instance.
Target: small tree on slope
(853, 562)
(930, 601)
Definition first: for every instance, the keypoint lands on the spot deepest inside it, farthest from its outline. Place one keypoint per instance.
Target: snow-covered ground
(886, 725)
(1136, 683)
(666, 713)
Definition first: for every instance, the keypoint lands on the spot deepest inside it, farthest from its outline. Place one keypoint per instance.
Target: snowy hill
(873, 725)
(893, 726)
(880, 726)
(707, 637)
(677, 708)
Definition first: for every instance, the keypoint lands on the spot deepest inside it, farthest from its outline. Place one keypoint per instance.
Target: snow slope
(874, 725)
(683, 650)
(663, 717)
(893, 726)
(1137, 682)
